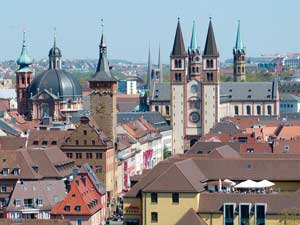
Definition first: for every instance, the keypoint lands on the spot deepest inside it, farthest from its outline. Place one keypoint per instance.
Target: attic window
(230, 96)
(45, 143)
(249, 96)
(156, 96)
(157, 90)
(77, 208)
(230, 90)
(286, 148)
(269, 96)
(16, 171)
(249, 90)
(67, 208)
(35, 142)
(54, 142)
(269, 90)
(5, 171)
(250, 150)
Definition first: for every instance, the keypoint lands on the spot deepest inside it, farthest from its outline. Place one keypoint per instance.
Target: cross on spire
(102, 25)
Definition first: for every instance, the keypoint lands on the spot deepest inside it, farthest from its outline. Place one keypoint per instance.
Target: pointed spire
(54, 37)
(178, 46)
(238, 42)
(149, 71)
(161, 77)
(210, 45)
(193, 45)
(103, 71)
(24, 59)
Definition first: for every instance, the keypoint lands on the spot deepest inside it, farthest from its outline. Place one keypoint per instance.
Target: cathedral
(199, 100)
(52, 94)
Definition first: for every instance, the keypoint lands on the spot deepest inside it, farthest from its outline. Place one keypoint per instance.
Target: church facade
(199, 100)
(52, 94)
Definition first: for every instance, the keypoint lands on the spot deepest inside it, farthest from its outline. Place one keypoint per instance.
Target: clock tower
(103, 87)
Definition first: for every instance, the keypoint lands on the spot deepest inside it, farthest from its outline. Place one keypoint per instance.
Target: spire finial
(24, 36)
(54, 36)
(210, 18)
(102, 25)
(178, 18)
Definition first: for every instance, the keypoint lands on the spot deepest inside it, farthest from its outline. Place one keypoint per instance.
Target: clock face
(194, 88)
(197, 59)
(194, 117)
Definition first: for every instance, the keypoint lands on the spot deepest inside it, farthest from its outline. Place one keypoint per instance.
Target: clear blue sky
(267, 26)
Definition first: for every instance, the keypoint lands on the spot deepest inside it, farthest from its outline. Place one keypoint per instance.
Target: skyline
(143, 22)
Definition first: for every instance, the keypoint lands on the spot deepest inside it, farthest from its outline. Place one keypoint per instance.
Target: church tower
(24, 76)
(210, 82)
(192, 101)
(194, 57)
(239, 62)
(55, 56)
(178, 79)
(103, 88)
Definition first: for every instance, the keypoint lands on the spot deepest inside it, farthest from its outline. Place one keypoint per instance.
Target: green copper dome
(24, 59)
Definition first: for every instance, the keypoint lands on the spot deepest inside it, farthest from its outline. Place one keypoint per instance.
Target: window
(178, 77)
(89, 155)
(18, 202)
(260, 214)
(78, 155)
(93, 142)
(156, 108)
(44, 142)
(210, 63)
(154, 217)
(153, 197)
(23, 80)
(258, 110)
(98, 155)
(248, 109)
(236, 110)
(85, 142)
(84, 132)
(16, 171)
(77, 208)
(70, 155)
(228, 214)
(178, 63)
(55, 198)
(167, 110)
(67, 208)
(244, 216)
(3, 187)
(286, 148)
(98, 169)
(5, 171)
(79, 222)
(54, 143)
(250, 150)
(269, 108)
(175, 198)
(39, 201)
(77, 142)
(35, 142)
(69, 104)
(209, 77)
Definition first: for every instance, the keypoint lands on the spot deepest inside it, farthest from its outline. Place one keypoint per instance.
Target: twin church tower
(195, 86)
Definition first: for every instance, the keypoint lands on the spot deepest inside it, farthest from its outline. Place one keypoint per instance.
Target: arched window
(258, 110)
(248, 109)
(156, 108)
(209, 76)
(236, 110)
(269, 110)
(167, 110)
(69, 104)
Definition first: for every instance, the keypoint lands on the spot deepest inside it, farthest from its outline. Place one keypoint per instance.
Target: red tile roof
(82, 193)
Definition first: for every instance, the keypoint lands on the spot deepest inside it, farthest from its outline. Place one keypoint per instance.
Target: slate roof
(58, 82)
(103, 71)
(247, 91)
(44, 189)
(8, 93)
(154, 118)
(289, 97)
(178, 46)
(161, 92)
(191, 218)
(8, 129)
(210, 44)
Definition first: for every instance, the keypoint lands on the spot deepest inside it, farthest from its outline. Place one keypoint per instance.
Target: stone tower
(178, 78)
(103, 88)
(210, 82)
(192, 101)
(24, 76)
(239, 62)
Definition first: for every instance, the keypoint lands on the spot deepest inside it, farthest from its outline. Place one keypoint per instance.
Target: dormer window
(77, 208)
(16, 171)
(45, 143)
(35, 142)
(39, 201)
(67, 208)
(5, 171)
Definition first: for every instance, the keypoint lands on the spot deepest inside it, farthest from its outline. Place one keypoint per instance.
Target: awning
(265, 184)
(247, 184)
